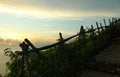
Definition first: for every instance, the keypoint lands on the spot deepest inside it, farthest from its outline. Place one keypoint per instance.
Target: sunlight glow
(30, 11)
(11, 36)
(3, 9)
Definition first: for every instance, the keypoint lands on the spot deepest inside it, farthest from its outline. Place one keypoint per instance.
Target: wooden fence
(95, 32)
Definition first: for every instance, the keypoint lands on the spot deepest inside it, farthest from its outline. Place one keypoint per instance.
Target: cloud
(8, 42)
(60, 8)
(1, 39)
(69, 4)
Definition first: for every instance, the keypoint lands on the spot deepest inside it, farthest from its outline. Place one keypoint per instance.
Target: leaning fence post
(116, 22)
(119, 20)
(82, 32)
(101, 26)
(113, 21)
(110, 23)
(24, 47)
(83, 35)
(33, 47)
(61, 37)
(93, 38)
(98, 28)
(61, 40)
(105, 24)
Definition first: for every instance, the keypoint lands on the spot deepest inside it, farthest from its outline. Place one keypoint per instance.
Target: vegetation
(64, 59)
(0, 75)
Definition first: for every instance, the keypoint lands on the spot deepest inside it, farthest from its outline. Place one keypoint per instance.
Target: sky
(42, 20)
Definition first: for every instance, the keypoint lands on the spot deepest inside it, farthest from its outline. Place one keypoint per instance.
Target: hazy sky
(42, 20)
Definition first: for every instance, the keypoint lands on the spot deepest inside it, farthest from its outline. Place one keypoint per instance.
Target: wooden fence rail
(25, 45)
(64, 40)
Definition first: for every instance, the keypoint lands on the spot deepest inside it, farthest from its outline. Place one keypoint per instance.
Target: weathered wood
(98, 28)
(116, 21)
(82, 31)
(119, 20)
(52, 45)
(33, 47)
(61, 37)
(112, 20)
(29, 43)
(57, 43)
(92, 33)
(24, 47)
(83, 35)
(104, 22)
(93, 38)
(49, 46)
(60, 34)
(101, 26)
(110, 23)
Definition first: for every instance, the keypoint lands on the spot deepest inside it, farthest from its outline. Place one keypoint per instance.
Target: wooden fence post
(92, 29)
(30, 44)
(82, 31)
(33, 47)
(93, 34)
(83, 35)
(98, 28)
(101, 26)
(93, 37)
(119, 20)
(61, 38)
(105, 22)
(24, 47)
(113, 21)
(116, 22)
(110, 23)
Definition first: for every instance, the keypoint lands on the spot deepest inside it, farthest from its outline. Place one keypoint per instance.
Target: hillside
(93, 51)
(106, 63)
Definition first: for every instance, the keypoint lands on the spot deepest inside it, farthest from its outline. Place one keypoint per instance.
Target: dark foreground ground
(106, 63)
